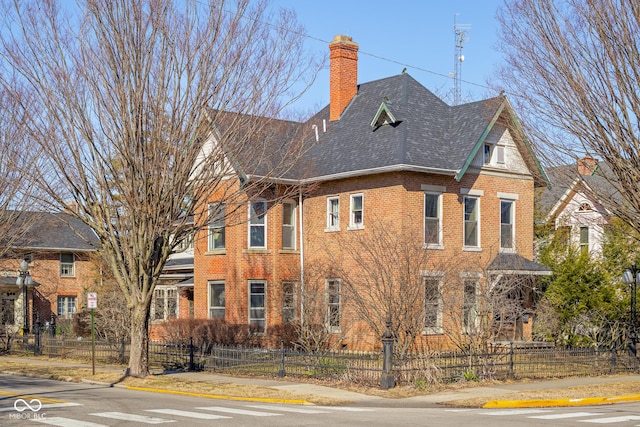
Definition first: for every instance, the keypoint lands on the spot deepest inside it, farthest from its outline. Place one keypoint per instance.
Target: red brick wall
(343, 70)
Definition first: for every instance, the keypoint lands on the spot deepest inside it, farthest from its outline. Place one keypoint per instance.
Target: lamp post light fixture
(631, 276)
(24, 281)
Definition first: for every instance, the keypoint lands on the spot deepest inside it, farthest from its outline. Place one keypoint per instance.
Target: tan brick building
(386, 156)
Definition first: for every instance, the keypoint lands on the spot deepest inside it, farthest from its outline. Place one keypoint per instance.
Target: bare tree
(384, 274)
(144, 110)
(572, 66)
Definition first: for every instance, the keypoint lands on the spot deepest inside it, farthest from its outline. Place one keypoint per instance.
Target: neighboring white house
(572, 203)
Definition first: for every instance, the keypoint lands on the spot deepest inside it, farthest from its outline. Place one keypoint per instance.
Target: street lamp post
(24, 281)
(631, 276)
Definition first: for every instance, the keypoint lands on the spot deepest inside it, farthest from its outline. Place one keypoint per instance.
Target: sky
(418, 35)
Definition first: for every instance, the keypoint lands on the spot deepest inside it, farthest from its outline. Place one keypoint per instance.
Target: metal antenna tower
(461, 34)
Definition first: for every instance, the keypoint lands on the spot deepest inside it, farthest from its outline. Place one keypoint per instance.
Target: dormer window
(384, 116)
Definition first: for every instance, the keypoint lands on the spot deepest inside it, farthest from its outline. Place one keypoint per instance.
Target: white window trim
(211, 229)
(512, 249)
(352, 224)
(472, 194)
(331, 328)
(264, 301)
(293, 226)
(438, 328)
(249, 225)
(486, 157)
(438, 245)
(165, 309)
(475, 327)
(330, 227)
(209, 306)
(65, 298)
(72, 263)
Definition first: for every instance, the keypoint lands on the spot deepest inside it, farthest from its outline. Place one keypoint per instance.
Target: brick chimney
(587, 165)
(343, 70)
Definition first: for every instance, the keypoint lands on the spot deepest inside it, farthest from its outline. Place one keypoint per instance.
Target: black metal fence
(500, 362)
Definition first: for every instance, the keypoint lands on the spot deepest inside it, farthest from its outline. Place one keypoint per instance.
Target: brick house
(58, 250)
(387, 153)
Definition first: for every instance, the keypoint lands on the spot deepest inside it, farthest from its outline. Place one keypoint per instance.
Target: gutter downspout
(301, 260)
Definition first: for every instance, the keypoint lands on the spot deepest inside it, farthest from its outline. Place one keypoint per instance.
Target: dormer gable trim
(383, 116)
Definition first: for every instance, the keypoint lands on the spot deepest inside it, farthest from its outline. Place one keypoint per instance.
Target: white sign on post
(92, 300)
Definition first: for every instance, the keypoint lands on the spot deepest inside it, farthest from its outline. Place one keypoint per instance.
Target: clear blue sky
(417, 33)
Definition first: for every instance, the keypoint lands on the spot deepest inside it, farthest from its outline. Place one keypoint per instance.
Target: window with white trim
(333, 213)
(165, 304)
(288, 225)
(432, 305)
(217, 222)
(288, 302)
(584, 240)
(507, 220)
(333, 304)
(432, 219)
(257, 308)
(258, 224)
(470, 306)
(66, 306)
(216, 300)
(67, 265)
(471, 221)
(487, 154)
(357, 212)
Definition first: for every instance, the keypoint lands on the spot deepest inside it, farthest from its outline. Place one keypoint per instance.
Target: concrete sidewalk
(360, 399)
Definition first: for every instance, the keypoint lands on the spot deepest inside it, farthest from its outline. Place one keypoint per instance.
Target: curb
(607, 400)
(216, 396)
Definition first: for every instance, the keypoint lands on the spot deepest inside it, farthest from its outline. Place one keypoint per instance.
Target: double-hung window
(288, 225)
(258, 224)
(356, 221)
(216, 300)
(67, 265)
(66, 306)
(432, 306)
(257, 309)
(217, 214)
(333, 213)
(469, 306)
(432, 219)
(333, 304)
(471, 221)
(288, 302)
(584, 240)
(165, 303)
(507, 224)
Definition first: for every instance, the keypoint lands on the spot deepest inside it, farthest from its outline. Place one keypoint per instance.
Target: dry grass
(115, 375)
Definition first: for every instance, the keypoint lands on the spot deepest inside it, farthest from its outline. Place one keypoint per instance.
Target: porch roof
(508, 263)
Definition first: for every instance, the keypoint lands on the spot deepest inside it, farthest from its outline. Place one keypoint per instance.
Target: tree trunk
(139, 353)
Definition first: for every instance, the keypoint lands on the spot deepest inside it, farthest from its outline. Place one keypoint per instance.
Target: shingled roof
(428, 135)
(55, 232)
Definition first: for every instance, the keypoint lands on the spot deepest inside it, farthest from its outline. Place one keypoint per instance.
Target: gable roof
(425, 134)
(59, 232)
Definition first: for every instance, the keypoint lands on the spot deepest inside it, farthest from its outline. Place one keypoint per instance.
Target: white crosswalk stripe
(66, 422)
(566, 415)
(237, 411)
(188, 414)
(288, 409)
(611, 420)
(132, 417)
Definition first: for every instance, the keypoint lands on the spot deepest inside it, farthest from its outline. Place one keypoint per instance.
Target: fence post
(511, 373)
(281, 372)
(36, 347)
(387, 380)
(192, 366)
